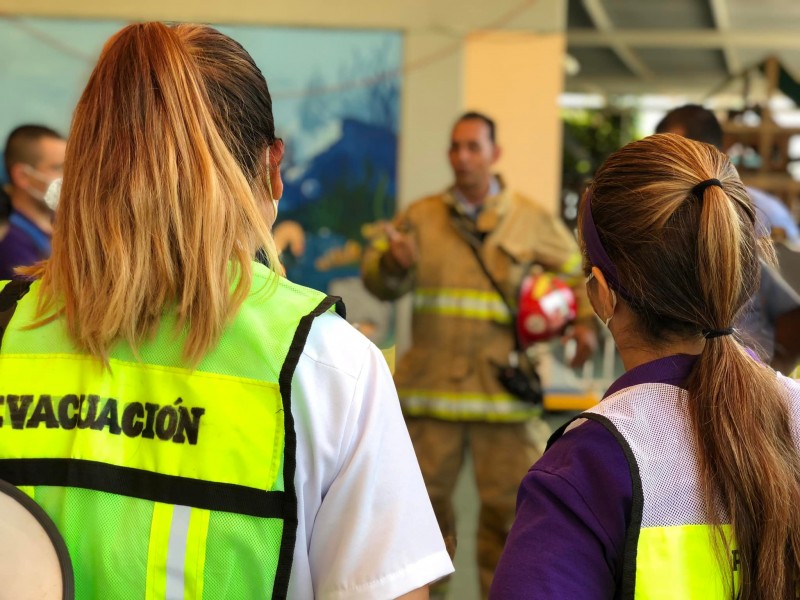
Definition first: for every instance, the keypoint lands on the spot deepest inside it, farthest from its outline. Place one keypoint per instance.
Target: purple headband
(597, 254)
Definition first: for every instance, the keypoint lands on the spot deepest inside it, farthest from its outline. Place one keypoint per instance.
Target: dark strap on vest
(9, 296)
(53, 535)
(628, 576)
(339, 307)
(290, 518)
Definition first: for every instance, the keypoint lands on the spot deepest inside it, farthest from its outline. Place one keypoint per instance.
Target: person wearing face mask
(34, 157)
(771, 323)
(5, 211)
(683, 481)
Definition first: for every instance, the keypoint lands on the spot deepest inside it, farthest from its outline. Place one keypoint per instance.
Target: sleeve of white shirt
(365, 518)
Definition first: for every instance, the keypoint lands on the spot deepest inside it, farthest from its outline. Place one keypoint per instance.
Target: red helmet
(546, 306)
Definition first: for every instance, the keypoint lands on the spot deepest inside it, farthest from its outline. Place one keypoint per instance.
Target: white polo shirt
(366, 526)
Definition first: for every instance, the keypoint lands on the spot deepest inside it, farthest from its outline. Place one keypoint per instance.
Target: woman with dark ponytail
(684, 482)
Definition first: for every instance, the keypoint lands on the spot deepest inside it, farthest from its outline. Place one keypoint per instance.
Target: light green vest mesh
(128, 547)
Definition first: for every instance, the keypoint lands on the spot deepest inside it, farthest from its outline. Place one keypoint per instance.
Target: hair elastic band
(710, 334)
(700, 188)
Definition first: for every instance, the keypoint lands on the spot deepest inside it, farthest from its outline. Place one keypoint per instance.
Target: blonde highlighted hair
(164, 191)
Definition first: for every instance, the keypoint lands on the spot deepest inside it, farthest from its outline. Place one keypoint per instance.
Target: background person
(770, 324)
(5, 211)
(700, 124)
(462, 329)
(34, 157)
(195, 425)
(682, 482)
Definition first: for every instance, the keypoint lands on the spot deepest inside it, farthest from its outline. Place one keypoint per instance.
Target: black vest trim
(289, 538)
(59, 546)
(137, 483)
(628, 579)
(11, 293)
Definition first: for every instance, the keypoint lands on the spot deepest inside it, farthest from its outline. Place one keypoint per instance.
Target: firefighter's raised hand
(401, 247)
(585, 337)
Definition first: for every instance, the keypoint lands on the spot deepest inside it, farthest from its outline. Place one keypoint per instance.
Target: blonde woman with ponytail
(684, 481)
(195, 425)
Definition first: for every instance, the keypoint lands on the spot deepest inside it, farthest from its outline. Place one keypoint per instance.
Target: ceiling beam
(697, 86)
(684, 38)
(597, 13)
(720, 12)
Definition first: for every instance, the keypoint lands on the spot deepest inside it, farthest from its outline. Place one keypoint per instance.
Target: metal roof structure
(677, 46)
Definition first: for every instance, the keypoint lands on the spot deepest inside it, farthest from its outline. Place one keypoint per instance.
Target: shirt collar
(39, 238)
(470, 209)
(672, 370)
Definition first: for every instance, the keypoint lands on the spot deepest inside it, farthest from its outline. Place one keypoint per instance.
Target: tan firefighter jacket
(461, 327)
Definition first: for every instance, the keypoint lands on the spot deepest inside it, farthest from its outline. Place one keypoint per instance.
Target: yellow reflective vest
(669, 551)
(164, 482)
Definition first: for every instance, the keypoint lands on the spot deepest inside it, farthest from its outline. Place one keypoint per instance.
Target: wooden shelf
(770, 142)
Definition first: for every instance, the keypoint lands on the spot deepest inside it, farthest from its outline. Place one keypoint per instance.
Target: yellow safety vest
(165, 482)
(669, 549)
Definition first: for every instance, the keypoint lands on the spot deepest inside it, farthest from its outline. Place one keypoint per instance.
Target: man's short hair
(476, 116)
(696, 123)
(21, 146)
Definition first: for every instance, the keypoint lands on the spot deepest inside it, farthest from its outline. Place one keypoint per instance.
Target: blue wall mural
(336, 96)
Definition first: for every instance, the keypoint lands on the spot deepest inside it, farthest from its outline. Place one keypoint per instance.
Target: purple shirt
(23, 245)
(573, 508)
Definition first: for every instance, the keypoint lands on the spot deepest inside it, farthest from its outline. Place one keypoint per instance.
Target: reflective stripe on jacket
(466, 304)
(164, 482)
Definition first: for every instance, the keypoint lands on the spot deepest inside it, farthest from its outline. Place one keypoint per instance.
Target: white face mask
(39, 176)
(53, 195)
(269, 188)
(613, 307)
(52, 192)
(613, 298)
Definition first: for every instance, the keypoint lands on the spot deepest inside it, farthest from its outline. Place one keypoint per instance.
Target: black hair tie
(710, 334)
(700, 188)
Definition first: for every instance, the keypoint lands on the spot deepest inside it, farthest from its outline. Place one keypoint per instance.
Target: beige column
(432, 99)
(516, 78)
